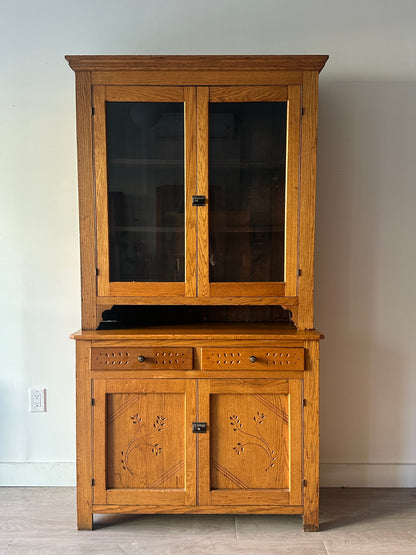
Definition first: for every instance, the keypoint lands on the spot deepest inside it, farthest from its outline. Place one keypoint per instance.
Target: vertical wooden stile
(190, 190)
(292, 189)
(307, 200)
(202, 180)
(100, 167)
(86, 198)
(84, 434)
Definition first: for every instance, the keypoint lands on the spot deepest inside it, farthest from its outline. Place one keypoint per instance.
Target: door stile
(101, 191)
(292, 189)
(204, 464)
(295, 441)
(99, 442)
(190, 190)
(202, 184)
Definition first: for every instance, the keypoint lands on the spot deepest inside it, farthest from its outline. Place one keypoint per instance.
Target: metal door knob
(141, 358)
(253, 358)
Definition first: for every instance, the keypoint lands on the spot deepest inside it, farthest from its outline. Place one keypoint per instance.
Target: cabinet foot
(85, 520)
(311, 522)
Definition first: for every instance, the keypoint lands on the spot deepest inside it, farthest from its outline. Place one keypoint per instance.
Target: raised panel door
(144, 450)
(252, 452)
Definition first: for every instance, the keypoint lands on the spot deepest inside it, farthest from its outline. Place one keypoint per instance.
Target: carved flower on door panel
(257, 440)
(141, 438)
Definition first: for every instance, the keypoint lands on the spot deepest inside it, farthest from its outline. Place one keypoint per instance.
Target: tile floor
(353, 521)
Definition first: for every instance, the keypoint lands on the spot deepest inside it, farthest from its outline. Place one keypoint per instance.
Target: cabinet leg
(311, 520)
(84, 518)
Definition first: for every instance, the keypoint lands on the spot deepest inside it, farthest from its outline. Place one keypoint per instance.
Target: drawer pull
(141, 358)
(252, 358)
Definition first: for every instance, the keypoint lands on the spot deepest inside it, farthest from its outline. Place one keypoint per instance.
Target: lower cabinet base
(198, 423)
(86, 520)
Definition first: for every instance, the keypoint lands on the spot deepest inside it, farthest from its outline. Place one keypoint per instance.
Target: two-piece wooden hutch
(197, 362)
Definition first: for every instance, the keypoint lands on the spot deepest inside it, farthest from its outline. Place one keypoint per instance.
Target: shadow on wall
(365, 402)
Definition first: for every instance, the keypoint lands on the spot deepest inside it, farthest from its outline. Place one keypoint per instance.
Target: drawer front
(142, 358)
(252, 358)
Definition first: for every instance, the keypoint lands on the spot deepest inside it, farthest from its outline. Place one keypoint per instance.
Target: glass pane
(145, 152)
(247, 159)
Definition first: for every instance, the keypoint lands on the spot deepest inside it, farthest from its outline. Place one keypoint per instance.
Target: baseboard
(362, 475)
(332, 475)
(37, 474)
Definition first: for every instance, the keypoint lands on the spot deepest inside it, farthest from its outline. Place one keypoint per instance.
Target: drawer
(142, 358)
(252, 358)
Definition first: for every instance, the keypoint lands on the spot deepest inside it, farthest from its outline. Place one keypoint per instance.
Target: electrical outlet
(37, 400)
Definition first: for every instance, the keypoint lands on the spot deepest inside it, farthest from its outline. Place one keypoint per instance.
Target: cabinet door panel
(248, 167)
(252, 451)
(144, 452)
(143, 139)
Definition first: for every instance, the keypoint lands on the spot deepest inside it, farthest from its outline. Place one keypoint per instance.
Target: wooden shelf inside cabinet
(197, 172)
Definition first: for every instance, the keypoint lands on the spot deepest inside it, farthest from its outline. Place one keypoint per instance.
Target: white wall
(365, 225)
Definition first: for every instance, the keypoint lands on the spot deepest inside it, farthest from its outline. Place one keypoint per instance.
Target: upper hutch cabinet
(201, 173)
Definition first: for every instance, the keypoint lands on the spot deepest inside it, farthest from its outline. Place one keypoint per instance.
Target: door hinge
(92, 402)
(92, 111)
(305, 483)
(299, 272)
(303, 111)
(93, 482)
(97, 272)
(304, 402)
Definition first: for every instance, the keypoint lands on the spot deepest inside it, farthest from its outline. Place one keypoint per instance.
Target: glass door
(249, 174)
(146, 238)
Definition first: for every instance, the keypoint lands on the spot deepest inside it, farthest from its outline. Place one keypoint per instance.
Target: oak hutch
(197, 362)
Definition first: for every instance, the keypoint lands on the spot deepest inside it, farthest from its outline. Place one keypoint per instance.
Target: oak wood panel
(83, 433)
(100, 169)
(206, 332)
(197, 374)
(202, 181)
(107, 301)
(144, 452)
(238, 358)
(311, 438)
(248, 94)
(154, 358)
(145, 289)
(292, 189)
(144, 94)
(307, 200)
(86, 199)
(190, 190)
(197, 62)
(196, 78)
(245, 289)
(198, 509)
(252, 450)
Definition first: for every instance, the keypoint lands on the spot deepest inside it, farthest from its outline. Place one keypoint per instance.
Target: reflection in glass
(247, 161)
(145, 153)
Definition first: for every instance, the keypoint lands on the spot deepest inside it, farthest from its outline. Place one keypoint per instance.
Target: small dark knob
(253, 358)
(141, 358)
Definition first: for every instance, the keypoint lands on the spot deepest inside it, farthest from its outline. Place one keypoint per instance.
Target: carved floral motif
(138, 440)
(258, 439)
